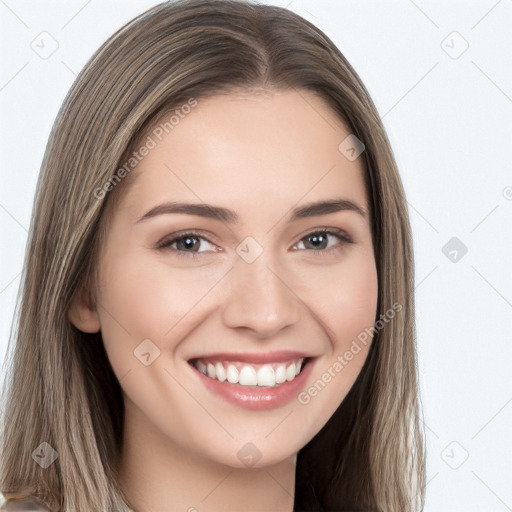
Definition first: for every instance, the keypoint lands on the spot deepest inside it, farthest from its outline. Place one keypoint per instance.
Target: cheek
(354, 303)
(142, 299)
(346, 308)
(344, 297)
(352, 313)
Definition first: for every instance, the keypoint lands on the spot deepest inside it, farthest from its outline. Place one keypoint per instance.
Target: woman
(217, 306)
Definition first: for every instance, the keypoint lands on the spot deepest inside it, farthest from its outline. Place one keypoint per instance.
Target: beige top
(28, 504)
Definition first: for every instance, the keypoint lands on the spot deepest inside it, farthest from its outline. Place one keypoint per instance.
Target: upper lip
(279, 356)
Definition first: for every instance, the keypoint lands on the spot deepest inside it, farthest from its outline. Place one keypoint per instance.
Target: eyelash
(338, 233)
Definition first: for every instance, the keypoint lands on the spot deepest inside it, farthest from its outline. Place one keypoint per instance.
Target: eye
(186, 244)
(319, 240)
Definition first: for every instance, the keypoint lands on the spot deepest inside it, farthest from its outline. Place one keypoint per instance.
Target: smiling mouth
(245, 374)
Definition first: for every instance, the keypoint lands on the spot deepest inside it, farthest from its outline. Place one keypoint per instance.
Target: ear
(83, 313)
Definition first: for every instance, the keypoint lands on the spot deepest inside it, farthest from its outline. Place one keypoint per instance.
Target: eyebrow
(231, 217)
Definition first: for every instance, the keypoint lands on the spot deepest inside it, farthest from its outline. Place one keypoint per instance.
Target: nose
(260, 299)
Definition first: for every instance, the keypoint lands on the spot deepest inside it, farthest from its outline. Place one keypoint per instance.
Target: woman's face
(256, 287)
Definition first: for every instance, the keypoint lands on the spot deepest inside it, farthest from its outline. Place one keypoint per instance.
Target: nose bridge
(259, 297)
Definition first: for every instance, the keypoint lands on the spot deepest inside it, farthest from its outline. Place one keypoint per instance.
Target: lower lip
(258, 398)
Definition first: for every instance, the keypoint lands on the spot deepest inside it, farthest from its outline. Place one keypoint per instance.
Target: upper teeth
(250, 375)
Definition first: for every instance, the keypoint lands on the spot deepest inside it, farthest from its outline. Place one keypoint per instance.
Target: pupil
(317, 239)
(189, 242)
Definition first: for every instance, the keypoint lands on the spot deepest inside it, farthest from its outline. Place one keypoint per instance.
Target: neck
(157, 474)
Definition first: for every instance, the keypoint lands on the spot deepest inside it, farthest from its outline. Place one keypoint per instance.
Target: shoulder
(29, 504)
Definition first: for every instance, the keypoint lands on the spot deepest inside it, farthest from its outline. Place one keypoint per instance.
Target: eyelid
(165, 242)
(343, 237)
(341, 233)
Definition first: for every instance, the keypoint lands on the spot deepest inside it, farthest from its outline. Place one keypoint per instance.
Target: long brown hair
(60, 388)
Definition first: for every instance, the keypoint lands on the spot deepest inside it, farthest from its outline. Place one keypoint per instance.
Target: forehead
(256, 149)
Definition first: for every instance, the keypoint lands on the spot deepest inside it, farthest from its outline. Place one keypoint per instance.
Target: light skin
(260, 154)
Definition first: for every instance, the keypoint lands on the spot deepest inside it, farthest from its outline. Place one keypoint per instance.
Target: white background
(449, 117)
